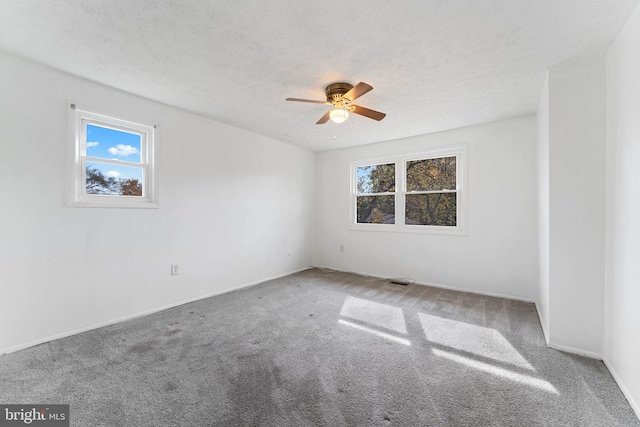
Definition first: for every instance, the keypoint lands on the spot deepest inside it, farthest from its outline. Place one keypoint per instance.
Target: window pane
(431, 209)
(113, 180)
(376, 178)
(376, 209)
(108, 143)
(432, 174)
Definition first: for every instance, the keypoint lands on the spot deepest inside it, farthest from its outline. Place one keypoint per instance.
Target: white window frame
(459, 151)
(79, 117)
(354, 193)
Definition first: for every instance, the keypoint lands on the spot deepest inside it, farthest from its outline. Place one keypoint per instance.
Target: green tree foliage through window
(376, 179)
(431, 174)
(431, 209)
(374, 203)
(431, 197)
(98, 183)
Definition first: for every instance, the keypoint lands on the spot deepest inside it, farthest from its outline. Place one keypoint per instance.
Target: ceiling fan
(341, 96)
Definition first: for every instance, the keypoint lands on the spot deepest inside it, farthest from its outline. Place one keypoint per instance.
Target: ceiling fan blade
(357, 91)
(372, 114)
(306, 100)
(324, 119)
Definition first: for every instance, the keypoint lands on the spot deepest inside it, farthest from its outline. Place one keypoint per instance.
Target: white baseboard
(25, 345)
(543, 325)
(560, 347)
(433, 285)
(634, 405)
(580, 352)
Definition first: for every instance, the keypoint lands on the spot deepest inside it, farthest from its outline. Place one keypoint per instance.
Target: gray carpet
(321, 348)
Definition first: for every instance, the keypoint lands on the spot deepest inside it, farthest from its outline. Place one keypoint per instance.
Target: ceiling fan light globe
(339, 115)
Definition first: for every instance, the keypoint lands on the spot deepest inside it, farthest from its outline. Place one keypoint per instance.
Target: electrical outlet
(175, 270)
(341, 248)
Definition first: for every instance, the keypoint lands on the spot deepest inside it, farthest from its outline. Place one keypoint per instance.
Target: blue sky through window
(108, 143)
(364, 178)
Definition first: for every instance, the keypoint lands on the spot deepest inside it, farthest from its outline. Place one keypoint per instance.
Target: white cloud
(92, 144)
(123, 150)
(113, 174)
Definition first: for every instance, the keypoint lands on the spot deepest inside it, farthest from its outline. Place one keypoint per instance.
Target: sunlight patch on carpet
(500, 372)
(375, 332)
(470, 338)
(374, 313)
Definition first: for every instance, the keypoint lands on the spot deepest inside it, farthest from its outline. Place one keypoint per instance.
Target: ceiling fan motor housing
(336, 90)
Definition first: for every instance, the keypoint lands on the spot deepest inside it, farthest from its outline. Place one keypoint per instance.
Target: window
(429, 197)
(375, 194)
(431, 192)
(112, 162)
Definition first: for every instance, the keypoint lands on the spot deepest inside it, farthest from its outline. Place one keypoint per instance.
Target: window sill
(125, 204)
(415, 229)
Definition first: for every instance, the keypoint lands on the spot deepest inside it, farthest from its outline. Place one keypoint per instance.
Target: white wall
(499, 253)
(622, 292)
(543, 206)
(577, 133)
(235, 208)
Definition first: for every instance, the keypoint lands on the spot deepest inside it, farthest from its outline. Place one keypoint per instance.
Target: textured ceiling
(434, 65)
